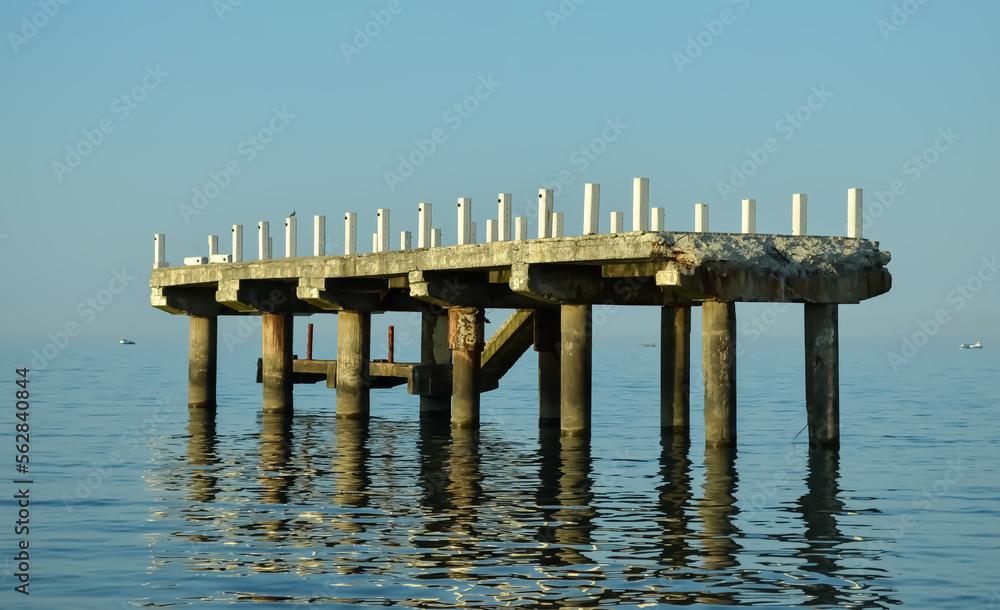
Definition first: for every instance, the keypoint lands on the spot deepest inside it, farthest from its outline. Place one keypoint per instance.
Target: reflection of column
(201, 453)
(819, 508)
(275, 451)
(718, 509)
(350, 467)
(575, 497)
(432, 447)
(466, 479)
(675, 498)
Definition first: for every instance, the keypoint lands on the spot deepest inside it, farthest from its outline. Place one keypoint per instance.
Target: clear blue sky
(207, 80)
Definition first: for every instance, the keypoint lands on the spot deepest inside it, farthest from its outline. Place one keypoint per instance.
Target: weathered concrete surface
(465, 338)
(675, 370)
(434, 351)
(547, 342)
(822, 353)
(719, 365)
(687, 267)
(276, 331)
(353, 349)
(202, 361)
(576, 364)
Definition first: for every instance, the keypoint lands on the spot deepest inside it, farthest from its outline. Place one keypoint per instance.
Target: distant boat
(976, 345)
(125, 341)
(649, 345)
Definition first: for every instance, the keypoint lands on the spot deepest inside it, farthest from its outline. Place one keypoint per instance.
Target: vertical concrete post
(675, 370)
(434, 350)
(491, 231)
(291, 237)
(591, 208)
(375, 242)
(547, 341)
(159, 250)
(435, 238)
(319, 235)
(473, 233)
(544, 213)
(383, 230)
(822, 347)
(656, 219)
(617, 222)
(353, 352)
(276, 329)
(350, 233)
(557, 224)
(640, 204)
(270, 247)
(213, 246)
(465, 338)
(424, 225)
(855, 213)
(799, 214)
(503, 217)
(749, 224)
(520, 228)
(464, 220)
(719, 365)
(405, 240)
(576, 364)
(202, 360)
(263, 240)
(237, 243)
(701, 218)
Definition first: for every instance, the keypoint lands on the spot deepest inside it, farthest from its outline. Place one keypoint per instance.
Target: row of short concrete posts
(564, 343)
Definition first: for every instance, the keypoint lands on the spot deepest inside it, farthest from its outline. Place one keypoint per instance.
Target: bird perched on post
(292, 215)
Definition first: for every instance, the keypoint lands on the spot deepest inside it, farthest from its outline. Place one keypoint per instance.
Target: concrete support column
(719, 364)
(675, 370)
(353, 349)
(277, 361)
(576, 360)
(202, 358)
(547, 342)
(822, 375)
(434, 350)
(465, 337)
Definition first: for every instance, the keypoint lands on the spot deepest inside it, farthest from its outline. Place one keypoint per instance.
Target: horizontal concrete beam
(186, 301)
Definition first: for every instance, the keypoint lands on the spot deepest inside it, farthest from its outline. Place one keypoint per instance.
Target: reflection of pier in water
(449, 513)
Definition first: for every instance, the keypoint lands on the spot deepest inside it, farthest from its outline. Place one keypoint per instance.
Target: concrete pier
(718, 321)
(353, 349)
(202, 359)
(576, 363)
(675, 370)
(276, 329)
(434, 351)
(547, 341)
(465, 337)
(822, 375)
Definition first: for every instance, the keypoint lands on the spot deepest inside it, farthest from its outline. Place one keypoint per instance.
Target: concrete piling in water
(465, 338)
(434, 350)
(202, 360)
(276, 329)
(353, 349)
(547, 341)
(822, 375)
(576, 364)
(719, 365)
(675, 370)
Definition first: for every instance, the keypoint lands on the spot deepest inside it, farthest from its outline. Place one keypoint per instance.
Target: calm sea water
(137, 503)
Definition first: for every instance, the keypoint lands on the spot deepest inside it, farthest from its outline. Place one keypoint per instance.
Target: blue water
(135, 503)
